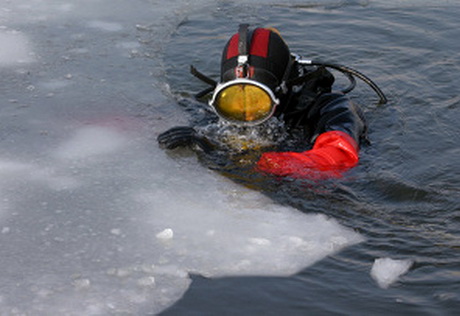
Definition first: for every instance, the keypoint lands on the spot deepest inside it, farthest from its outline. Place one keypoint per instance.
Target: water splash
(239, 138)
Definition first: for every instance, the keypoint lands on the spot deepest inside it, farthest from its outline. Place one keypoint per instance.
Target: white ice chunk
(386, 271)
(14, 49)
(165, 234)
(224, 229)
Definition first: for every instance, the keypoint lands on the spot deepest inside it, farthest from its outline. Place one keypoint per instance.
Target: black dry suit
(316, 110)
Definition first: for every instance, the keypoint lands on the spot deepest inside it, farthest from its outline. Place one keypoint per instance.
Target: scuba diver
(261, 80)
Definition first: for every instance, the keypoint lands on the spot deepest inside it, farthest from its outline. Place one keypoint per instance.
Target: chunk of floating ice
(386, 271)
(165, 234)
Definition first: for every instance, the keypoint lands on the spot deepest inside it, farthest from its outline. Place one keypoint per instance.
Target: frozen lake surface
(95, 219)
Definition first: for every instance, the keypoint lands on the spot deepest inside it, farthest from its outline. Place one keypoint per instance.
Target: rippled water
(403, 197)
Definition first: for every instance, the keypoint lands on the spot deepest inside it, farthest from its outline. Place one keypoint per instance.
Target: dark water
(403, 197)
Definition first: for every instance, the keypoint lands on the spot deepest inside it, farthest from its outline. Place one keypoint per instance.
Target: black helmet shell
(268, 57)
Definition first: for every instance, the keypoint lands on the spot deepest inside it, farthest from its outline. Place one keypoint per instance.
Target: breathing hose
(349, 72)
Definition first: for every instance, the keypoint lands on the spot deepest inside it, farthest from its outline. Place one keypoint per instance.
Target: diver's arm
(336, 112)
(333, 153)
(337, 131)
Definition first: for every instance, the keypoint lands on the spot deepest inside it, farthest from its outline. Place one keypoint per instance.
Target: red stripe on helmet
(232, 49)
(259, 42)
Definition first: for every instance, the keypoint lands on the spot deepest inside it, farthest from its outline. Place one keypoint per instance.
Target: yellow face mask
(244, 101)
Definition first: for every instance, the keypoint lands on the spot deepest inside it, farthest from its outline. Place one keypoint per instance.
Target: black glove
(184, 136)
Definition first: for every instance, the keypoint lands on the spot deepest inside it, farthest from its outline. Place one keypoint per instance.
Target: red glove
(333, 153)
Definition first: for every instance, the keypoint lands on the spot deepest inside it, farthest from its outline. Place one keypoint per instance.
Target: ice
(55, 84)
(165, 234)
(128, 45)
(239, 231)
(386, 271)
(14, 172)
(15, 49)
(95, 219)
(132, 250)
(91, 141)
(106, 26)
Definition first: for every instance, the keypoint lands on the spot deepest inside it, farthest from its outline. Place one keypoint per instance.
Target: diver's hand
(184, 136)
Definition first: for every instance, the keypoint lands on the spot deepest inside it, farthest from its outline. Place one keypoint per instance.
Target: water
(95, 219)
(404, 195)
